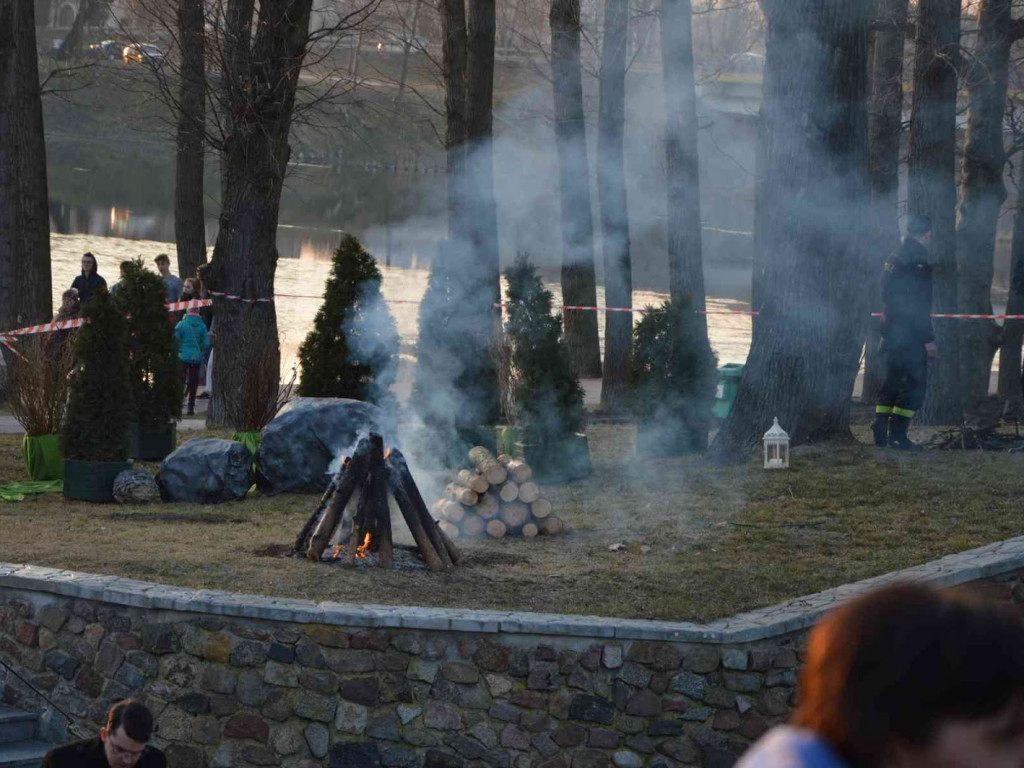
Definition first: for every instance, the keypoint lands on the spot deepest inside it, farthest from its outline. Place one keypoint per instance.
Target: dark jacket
(86, 286)
(89, 753)
(907, 292)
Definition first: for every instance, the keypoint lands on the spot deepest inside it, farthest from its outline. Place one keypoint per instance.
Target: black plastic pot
(148, 443)
(91, 480)
(557, 461)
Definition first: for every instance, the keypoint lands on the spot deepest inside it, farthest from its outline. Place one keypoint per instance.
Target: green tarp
(19, 489)
(43, 459)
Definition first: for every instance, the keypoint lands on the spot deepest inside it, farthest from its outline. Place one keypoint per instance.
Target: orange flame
(337, 552)
(362, 548)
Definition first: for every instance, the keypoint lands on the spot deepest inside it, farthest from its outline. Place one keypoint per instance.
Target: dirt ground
(700, 541)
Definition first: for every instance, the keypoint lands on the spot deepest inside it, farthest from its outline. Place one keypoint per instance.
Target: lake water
(303, 278)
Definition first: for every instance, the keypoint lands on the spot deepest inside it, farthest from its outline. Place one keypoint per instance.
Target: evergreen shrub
(548, 398)
(154, 371)
(352, 350)
(673, 373)
(99, 406)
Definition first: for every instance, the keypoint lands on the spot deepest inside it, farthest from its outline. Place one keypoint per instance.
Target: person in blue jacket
(193, 343)
(907, 677)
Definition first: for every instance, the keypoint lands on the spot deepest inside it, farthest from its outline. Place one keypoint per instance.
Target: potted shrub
(154, 373)
(673, 375)
(548, 398)
(37, 390)
(93, 435)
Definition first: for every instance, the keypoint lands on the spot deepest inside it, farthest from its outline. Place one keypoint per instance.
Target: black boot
(880, 430)
(898, 434)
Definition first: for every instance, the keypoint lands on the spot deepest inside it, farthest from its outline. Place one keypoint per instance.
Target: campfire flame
(337, 552)
(362, 548)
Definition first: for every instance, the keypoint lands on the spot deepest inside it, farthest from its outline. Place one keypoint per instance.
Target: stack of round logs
(496, 498)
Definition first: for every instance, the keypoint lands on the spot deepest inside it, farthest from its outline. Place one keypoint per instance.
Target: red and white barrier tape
(951, 316)
(177, 306)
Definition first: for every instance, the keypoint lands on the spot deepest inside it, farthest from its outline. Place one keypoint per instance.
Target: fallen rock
(302, 444)
(206, 471)
(135, 486)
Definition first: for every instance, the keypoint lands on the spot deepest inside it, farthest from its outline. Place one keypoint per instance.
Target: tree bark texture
(579, 283)
(479, 124)
(982, 193)
(933, 190)
(88, 13)
(453, 20)
(611, 189)
(885, 128)
(189, 216)
(261, 83)
(682, 167)
(806, 344)
(25, 283)
(1010, 386)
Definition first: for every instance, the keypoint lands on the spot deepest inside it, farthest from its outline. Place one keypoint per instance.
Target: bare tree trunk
(88, 13)
(25, 294)
(261, 85)
(1013, 333)
(982, 193)
(933, 189)
(479, 109)
(453, 19)
(1010, 387)
(685, 248)
(406, 48)
(814, 168)
(579, 283)
(611, 187)
(189, 216)
(885, 126)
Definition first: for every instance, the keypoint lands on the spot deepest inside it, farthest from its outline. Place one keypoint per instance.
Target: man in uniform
(121, 743)
(907, 336)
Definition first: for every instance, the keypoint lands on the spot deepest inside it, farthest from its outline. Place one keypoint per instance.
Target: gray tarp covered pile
(304, 440)
(206, 471)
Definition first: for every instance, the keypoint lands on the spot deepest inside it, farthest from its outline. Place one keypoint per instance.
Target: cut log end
(530, 530)
(472, 526)
(541, 508)
(529, 492)
(514, 514)
(496, 529)
(473, 480)
(552, 526)
(509, 491)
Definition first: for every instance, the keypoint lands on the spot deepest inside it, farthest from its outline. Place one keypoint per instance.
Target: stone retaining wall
(239, 680)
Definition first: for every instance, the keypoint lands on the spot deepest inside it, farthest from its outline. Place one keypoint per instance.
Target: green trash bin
(728, 383)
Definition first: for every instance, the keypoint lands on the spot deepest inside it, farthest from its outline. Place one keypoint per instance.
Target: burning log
(461, 494)
(509, 491)
(302, 540)
(496, 529)
(518, 468)
(423, 527)
(541, 508)
(487, 465)
(529, 492)
(378, 484)
(351, 477)
(473, 480)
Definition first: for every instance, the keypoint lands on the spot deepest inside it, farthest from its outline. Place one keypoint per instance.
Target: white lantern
(776, 447)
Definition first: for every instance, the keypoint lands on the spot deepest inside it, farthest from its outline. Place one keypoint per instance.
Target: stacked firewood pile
(368, 476)
(495, 498)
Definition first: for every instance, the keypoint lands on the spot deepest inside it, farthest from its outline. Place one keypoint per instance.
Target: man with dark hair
(907, 677)
(172, 282)
(121, 743)
(907, 337)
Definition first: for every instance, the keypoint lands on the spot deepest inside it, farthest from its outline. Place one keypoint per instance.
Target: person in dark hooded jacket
(907, 337)
(87, 282)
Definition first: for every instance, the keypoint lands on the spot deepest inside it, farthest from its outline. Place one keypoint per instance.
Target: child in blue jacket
(193, 343)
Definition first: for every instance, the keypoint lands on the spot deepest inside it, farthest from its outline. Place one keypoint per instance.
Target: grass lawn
(701, 541)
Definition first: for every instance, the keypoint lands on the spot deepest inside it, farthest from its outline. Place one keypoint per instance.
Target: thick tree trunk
(982, 193)
(682, 167)
(25, 295)
(1010, 387)
(933, 189)
(807, 342)
(453, 20)
(189, 217)
(611, 188)
(885, 128)
(579, 283)
(406, 51)
(254, 160)
(479, 122)
(88, 13)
